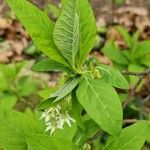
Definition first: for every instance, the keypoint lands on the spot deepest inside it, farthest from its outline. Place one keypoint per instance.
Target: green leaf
(53, 9)
(9, 71)
(46, 92)
(50, 65)
(14, 126)
(66, 32)
(134, 67)
(8, 101)
(132, 137)
(143, 49)
(67, 132)
(119, 2)
(87, 29)
(135, 37)
(111, 143)
(26, 87)
(76, 110)
(32, 50)
(123, 97)
(148, 133)
(4, 82)
(112, 51)
(127, 54)
(91, 128)
(66, 89)
(113, 77)
(145, 60)
(44, 142)
(102, 103)
(38, 25)
(119, 66)
(47, 103)
(126, 36)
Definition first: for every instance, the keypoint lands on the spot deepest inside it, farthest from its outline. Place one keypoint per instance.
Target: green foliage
(86, 101)
(143, 49)
(16, 126)
(32, 50)
(53, 10)
(119, 1)
(15, 87)
(82, 136)
(66, 32)
(114, 53)
(132, 137)
(87, 29)
(50, 65)
(46, 104)
(77, 110)
(135, 68)
(44, 142)
(137, 53)
(22, 131)
(67, 132)
(124, 33)
(26, 87)
(39, 27)
(102, 103)
(8, 101)
(66, 89)
(113, 77)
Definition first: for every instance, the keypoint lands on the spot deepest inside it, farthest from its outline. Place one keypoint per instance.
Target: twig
(145, 73)
(126, 121)
(132, 92)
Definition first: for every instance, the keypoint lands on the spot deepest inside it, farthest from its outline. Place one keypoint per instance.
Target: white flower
(50, 127)
(55, 118)
(66, 118)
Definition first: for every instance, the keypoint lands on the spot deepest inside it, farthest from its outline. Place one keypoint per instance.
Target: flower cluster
(55, 117)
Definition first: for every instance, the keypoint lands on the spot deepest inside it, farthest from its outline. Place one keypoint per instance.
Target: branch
(143, 74)
(126, 121)
(132, 91)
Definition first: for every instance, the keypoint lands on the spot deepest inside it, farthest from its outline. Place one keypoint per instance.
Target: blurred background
(132, 14)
